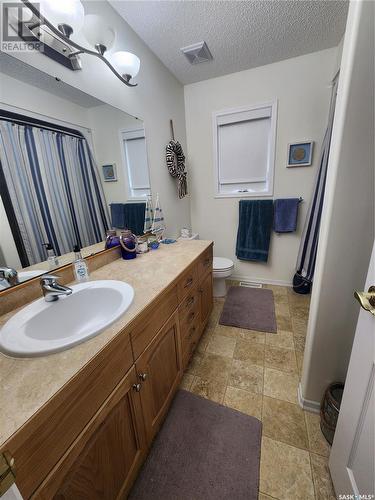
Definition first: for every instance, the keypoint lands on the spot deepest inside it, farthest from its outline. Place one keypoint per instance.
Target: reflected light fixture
(54, 27)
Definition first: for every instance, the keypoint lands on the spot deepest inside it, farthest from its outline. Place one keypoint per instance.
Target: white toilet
(222, 269)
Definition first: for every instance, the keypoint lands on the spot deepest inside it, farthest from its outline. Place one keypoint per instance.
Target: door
(159, 371)
(352, 457)
(103, 462)
(206, 299)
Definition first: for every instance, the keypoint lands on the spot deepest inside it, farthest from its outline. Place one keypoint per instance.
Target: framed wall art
(300, 154)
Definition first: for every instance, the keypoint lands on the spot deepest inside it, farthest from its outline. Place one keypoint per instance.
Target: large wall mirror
(71, 167)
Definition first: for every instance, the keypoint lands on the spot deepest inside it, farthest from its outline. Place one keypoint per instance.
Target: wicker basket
(329, 410)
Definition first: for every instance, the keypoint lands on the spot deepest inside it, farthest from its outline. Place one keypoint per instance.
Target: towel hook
(172, 130)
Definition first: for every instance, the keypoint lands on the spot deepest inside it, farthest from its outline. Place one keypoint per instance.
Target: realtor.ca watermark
(16, 36)
(356, 497)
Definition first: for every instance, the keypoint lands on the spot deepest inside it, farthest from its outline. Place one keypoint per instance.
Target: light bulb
(64, 13)
(126, 63)
(98, 33)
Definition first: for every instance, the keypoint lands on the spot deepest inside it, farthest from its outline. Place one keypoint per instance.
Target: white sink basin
(47, 327)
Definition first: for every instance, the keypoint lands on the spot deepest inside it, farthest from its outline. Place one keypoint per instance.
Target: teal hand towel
(254, 229)
(128, 216)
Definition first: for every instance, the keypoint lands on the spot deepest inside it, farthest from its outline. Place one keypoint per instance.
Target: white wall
(22, 96)
(301, 86)
(157, 99)
(106, 124)
(347, 228)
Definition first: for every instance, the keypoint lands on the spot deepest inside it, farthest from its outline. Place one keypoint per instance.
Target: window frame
(216, 115)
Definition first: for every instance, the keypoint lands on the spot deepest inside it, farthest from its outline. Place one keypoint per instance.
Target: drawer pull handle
(188, 283)
(190, 301)
(191, 316)
(137, 387)
(192, 332)
(143, 376)
(206, 262)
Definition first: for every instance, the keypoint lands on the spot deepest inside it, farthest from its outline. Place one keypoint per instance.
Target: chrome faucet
(9, 275)
(52, 289)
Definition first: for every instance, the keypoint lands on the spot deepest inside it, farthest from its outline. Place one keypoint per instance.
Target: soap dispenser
(52, 260)
(81, 271)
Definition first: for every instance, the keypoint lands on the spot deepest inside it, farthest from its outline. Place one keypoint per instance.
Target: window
(244, 150)
(135, 153)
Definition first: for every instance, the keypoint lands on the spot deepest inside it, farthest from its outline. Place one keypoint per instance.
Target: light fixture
(67, 15)
(53, 28)
(126, 63)
(98, 35)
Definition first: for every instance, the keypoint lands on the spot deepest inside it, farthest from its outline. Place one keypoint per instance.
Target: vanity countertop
(27, 384)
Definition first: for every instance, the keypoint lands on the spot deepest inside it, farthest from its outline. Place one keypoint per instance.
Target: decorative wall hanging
(109, 173)
(175, 159)
(300, 154)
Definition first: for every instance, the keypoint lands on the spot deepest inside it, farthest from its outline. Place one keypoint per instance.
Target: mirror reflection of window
(135, 155)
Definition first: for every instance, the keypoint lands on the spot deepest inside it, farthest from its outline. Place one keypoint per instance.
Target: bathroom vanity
(79, 423)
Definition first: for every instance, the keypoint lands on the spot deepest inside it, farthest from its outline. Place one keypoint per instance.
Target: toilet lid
(221, 264)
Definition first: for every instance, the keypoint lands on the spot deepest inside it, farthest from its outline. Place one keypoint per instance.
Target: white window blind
(244, 143)
(135, 152)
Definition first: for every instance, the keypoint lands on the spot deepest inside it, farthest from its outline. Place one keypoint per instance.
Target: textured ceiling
(239, 34)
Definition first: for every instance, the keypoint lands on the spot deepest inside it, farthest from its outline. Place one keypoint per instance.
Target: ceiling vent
(197, 53)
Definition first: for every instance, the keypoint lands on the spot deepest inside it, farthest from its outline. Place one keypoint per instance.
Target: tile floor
(258, 374)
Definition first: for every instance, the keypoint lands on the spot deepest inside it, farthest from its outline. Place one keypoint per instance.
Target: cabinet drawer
(42, 441)
(205, 263)
(189, 304)
(190, 333)
(187, 282)
(143, 333)
(191, 341)
(188, 317)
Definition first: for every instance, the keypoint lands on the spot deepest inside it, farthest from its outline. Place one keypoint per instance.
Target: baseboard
(307, 404)
(237, 277)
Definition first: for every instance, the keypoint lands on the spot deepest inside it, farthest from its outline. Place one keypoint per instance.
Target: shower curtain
(54, 189)
(309, 242)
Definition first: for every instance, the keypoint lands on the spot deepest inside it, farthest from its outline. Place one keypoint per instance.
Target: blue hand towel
(128, 216)
(286, 213)
(254, 230)
(118, 215)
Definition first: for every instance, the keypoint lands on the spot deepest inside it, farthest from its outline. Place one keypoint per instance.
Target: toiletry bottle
(112, 240)
(81, 271)
(52, 260)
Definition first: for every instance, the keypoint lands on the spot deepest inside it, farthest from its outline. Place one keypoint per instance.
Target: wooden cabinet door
(103, 461)
(206, 299)
(160, 370)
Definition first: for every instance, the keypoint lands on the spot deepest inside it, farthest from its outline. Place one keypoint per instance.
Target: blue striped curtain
(309, 242)
(55, 189)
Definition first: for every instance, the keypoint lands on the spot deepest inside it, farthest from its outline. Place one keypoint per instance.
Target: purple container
(128, 244)
(112, 240)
